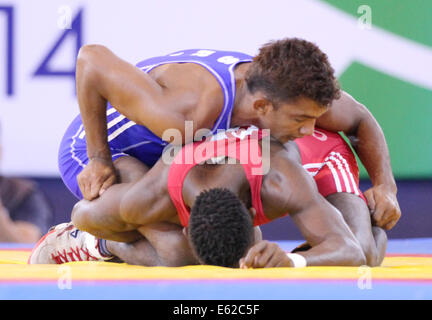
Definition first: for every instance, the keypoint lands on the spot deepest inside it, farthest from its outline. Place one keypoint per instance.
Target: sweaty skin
(174, 93)
(128, 211)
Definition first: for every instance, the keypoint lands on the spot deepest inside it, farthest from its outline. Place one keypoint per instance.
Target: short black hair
(220, 228)
(288, 69)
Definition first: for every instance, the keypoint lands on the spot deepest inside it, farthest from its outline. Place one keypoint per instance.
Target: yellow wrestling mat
(13, 266)
(401, 276)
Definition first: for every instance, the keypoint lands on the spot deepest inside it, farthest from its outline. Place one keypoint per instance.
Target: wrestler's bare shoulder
(186, 76)
(196, 85)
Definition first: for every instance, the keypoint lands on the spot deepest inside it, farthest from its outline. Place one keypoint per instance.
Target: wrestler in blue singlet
(125, 137)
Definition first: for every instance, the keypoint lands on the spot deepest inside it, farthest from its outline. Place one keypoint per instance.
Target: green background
(403, 109)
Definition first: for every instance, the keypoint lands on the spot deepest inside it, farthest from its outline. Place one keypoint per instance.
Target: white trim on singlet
(72, 148)
(116, 120)
(343, 172)
(120, 130)
(313, 165)
(335, 158)
(119, 154)
(135, 145)
(234, 89)
(110, 124)
(335, 176)
(330, 161)
(347, 167)
(111, 111)
(313, 168)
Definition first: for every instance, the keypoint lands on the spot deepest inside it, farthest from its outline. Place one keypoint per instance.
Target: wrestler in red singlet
(325, 155)
(329, 159)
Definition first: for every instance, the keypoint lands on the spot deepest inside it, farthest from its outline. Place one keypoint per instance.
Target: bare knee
(380, 237)
(375, 248)
(80, 217)
(130, 169)
(371, 253)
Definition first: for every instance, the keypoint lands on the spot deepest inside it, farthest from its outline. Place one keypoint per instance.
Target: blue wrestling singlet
(125, 137)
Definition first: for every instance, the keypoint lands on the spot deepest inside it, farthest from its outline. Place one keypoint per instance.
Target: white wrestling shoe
(65, 243)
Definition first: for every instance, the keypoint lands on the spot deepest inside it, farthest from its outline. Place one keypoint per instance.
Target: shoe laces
(73, 254)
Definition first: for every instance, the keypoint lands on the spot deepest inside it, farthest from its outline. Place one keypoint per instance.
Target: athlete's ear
(252, 212)
(262, 105)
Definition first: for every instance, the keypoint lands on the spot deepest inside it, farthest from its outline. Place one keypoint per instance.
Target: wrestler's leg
(129, 169)
(140, 252)
(163, 244)
(373, 240)
(380, 237)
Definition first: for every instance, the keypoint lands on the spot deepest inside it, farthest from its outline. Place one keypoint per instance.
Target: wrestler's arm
(126, 206)
(322, 225)
(101, 76)
(144, 207)
(354, 119)
(162, 244)
(101, 217)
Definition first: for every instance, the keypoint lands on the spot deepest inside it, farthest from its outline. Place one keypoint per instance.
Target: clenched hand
(265, 254)
(383, 206)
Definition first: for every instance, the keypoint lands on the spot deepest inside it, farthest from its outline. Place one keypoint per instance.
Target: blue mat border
(226, 290)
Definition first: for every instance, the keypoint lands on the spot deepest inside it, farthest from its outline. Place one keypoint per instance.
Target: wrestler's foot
(65, 243)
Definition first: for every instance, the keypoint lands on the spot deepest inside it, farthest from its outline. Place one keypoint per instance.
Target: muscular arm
(354, 119)
(290, 189)
(125, 207)
(333, 243)
(100, 77)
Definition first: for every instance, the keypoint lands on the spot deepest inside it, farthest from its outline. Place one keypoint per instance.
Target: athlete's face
(289, 121)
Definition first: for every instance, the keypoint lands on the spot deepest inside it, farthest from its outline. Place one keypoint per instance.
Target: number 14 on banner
(71, 27)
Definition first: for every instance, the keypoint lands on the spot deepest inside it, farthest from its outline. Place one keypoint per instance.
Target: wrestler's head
(291, 84)
(220, 228)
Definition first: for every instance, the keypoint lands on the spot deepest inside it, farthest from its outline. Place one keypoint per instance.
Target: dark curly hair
(220, 228)
(288, 69)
